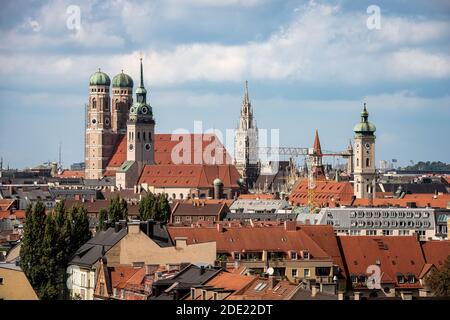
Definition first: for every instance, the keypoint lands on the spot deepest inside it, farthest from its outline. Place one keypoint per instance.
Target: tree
(439, 280)
(147, 207)
(102, 217)
(48, 243)
(49, 261)
(31, 248)
(163, 208)
(117, 210)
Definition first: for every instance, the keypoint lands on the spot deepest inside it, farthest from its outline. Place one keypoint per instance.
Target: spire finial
(246, 90)
(99, 70)
(142, 75)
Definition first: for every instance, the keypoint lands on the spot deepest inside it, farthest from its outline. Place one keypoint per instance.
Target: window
(188, 218)
(305, 273)
(387, 232)
(83, 280)
(177, 219)
(102, 289)
(94, 104)
(371, 232)
(305, 255)
(293, 255)
(294, 273)
(411, 278)
(367, 162)
(2, 281)
(201, 218)
(354, 278)
(400, 278)
(403, 232)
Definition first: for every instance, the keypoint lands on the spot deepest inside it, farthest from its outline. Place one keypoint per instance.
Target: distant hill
(428, 166)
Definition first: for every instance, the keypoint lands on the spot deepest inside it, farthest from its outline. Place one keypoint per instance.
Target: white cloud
(321, 44)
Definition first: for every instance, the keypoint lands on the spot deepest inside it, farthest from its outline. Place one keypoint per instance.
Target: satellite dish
(270, 271)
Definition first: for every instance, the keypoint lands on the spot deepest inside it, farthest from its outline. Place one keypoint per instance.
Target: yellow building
(14, 285)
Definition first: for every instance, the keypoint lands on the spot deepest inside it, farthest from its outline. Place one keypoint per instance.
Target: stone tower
(141, 129)
(122, 99)
(246, 142)
(99, 142)
(364, 153)
(317, 164)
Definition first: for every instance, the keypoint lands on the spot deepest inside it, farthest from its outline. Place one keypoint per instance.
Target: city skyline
(297, 62)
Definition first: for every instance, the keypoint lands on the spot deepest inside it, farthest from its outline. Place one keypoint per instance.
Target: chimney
(290, 225)
(180, 242)
(202, 269)
(272, 282)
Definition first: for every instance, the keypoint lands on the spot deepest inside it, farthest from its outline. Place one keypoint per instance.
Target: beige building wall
(136, 246)
(15, 286)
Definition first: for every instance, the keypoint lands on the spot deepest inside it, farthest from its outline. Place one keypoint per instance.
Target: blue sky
(309, 64)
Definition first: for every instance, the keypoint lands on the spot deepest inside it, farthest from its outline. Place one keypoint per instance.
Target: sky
(310, 65)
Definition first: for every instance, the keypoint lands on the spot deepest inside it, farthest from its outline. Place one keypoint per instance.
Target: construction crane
(309, 155)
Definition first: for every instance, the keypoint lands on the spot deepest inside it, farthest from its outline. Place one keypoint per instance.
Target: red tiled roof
(283, 290)
(237, 239)
(230, 281)
(164, 147)
(71, 174)
(395, 254)
(5, 204)
(436, 252)
(12, 214)
(193, 176)
(121, 274)
(325, 193)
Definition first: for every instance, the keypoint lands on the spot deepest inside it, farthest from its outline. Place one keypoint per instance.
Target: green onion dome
(99, 78)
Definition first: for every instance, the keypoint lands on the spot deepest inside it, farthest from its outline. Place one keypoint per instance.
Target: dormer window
(400, 278)
(293, 255)
(305, 255)
(411, 278)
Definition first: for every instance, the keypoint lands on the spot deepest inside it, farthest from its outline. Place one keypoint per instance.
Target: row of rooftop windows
(389, 214)
(385, 223)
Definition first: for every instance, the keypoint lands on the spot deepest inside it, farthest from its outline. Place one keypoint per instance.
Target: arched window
(174, 196)
(94, 104)
(117, 104)
(357, 188)
(181, 196)
(143, 135)
(357, 162)
(367, 162)
(138, 136)
(150, 136)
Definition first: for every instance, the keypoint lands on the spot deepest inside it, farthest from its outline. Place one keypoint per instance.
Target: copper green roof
(364, 127)
(99, 78)
(122, 80)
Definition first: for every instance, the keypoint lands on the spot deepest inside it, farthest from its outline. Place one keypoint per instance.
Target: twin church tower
(109, 118)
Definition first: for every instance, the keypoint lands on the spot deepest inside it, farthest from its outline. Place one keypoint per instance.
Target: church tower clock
(141, 129)
(99, 142)
(364, 153)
